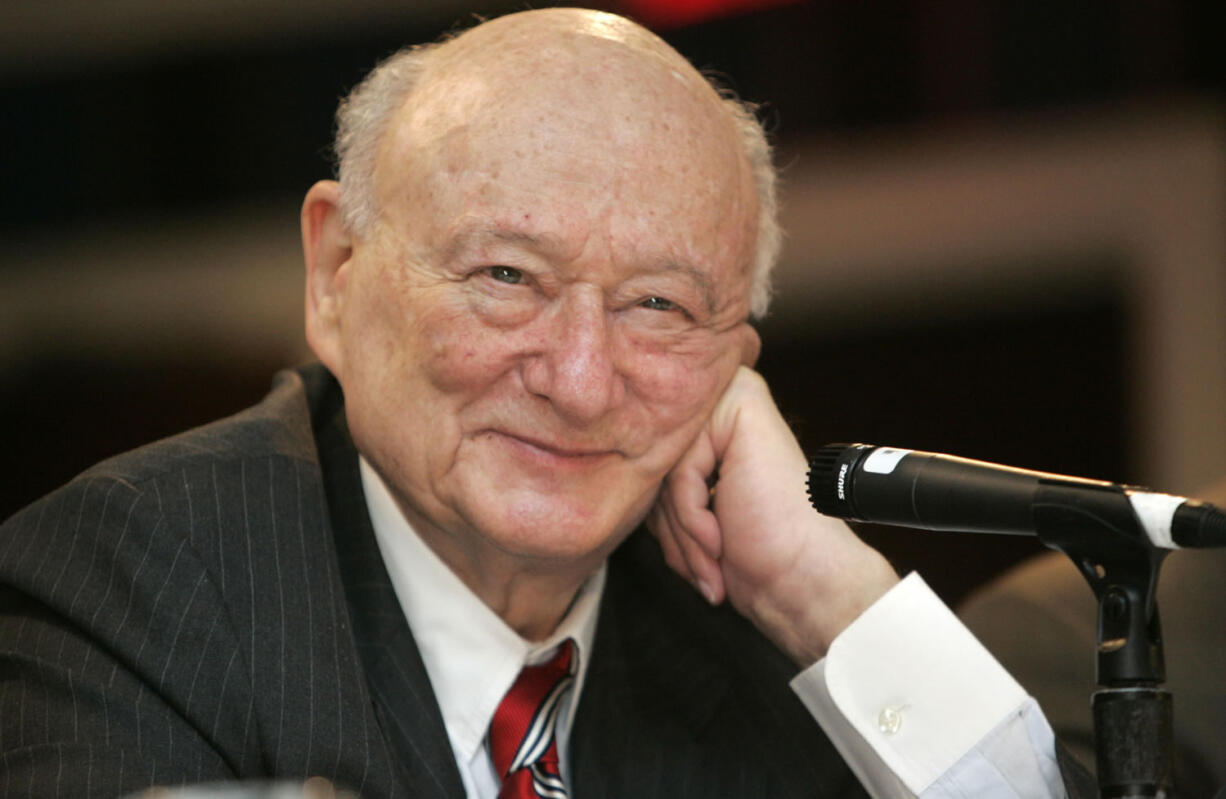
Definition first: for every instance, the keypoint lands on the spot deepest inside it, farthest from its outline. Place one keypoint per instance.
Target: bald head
(529, 31)
(594, 84)
(569, 62)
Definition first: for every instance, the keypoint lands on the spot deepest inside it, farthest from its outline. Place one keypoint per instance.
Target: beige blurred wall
(933, 221)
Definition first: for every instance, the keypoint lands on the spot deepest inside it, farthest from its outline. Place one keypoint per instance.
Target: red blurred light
(677, 13)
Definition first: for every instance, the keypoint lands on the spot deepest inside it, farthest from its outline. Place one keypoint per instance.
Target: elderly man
(416, 573)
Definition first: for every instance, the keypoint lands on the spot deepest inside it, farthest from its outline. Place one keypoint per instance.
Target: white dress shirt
(470, 654)
(913, 702)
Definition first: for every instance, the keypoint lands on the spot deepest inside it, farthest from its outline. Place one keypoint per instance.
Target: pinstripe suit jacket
(214, 607)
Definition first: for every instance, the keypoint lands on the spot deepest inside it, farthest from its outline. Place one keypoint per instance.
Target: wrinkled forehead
(614, 134)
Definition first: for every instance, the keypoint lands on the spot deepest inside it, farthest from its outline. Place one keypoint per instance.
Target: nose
(574, 363)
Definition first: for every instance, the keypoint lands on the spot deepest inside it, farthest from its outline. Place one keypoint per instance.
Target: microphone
(930, 491)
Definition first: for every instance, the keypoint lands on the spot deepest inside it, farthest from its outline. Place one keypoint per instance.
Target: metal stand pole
(1133, 734)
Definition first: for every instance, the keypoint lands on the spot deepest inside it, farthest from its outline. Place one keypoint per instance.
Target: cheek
(373, 323)
(680, 384)
(459, 352)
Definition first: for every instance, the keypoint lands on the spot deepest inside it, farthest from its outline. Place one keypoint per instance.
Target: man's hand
(753, 537)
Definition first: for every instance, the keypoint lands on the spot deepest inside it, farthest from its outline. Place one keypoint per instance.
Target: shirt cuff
(906, 691)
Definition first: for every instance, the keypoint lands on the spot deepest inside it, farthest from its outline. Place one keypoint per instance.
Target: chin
(549, 528)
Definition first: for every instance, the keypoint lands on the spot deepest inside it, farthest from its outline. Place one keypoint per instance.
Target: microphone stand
(1133, 733)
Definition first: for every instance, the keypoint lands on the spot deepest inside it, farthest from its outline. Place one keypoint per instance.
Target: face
(552, 301)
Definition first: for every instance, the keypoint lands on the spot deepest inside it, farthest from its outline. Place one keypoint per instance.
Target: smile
(551, 454)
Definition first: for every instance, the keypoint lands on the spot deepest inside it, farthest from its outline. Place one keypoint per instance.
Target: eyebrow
(698, 276)
(468, 235)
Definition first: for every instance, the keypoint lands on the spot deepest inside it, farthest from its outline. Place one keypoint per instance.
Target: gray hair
(363, 116)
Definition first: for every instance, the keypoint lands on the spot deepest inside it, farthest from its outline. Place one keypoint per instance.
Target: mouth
(562, 453)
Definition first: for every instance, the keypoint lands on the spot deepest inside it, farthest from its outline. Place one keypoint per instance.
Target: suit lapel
(641, 728)
(404, 701)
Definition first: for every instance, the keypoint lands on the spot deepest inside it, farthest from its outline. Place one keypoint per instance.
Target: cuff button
(889, 720)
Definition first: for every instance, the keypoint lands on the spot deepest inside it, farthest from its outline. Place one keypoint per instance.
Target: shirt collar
(471, 656)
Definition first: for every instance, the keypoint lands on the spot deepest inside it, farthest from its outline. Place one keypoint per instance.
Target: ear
(327, 248)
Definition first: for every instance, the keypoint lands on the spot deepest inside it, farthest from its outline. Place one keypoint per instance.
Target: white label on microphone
(1155, 512)
(883, 460)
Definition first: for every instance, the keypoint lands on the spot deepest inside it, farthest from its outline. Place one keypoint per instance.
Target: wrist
(811, 606)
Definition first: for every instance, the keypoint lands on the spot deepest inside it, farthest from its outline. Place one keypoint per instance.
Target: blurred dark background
(185, 119)
(1005, 223)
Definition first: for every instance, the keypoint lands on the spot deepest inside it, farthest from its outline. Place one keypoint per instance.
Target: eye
(659, 304)
(505, 274)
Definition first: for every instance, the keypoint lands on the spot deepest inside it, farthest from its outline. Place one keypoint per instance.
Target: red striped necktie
(522, 742)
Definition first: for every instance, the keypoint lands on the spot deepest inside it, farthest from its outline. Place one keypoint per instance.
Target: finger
(682, 553)
(690, 497)
(704, 571)
(708, 577)
(691, 507)
(661, 528)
